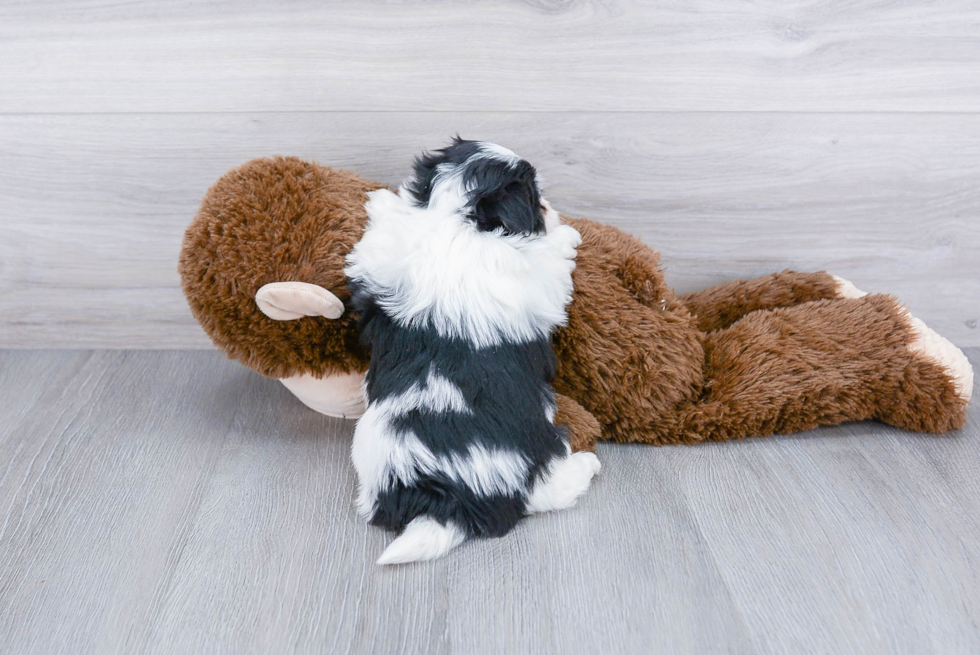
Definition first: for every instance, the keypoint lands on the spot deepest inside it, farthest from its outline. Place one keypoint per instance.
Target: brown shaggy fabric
(276, 220)
(631, 351)
(820, 363)
(720, 306)
(585, 429)
(749, 358)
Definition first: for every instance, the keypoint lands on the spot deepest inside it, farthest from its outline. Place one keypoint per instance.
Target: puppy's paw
(568, 239)
(565, 482)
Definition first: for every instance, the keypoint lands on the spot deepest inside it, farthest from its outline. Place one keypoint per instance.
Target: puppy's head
(488, 183)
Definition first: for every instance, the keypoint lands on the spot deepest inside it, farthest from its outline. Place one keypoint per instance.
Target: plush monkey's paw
(846, 290)
(340, 395)
(566, 480)
(941, 352)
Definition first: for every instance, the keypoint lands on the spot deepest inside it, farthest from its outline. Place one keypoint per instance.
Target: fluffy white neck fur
(432, 266)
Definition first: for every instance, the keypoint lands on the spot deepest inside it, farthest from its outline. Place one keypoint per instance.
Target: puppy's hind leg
(563, 483)
(423, 539)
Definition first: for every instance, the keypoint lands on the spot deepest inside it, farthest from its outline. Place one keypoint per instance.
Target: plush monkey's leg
(823, 363)
(584, 427)
(719, 307)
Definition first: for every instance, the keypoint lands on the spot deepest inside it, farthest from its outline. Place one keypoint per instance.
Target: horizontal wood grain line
(498, 55)
(92, 208)
(502, 112)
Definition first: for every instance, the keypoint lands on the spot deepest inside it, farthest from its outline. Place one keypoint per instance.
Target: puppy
(460, 279)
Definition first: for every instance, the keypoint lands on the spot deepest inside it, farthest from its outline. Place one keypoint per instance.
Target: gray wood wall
(736, 138)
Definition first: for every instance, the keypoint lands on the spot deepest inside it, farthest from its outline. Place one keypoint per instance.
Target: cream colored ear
(287, 301)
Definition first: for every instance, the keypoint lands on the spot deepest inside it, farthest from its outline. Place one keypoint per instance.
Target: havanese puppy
(460, 279)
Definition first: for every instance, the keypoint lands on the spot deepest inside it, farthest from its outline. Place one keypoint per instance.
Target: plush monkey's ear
(288, 301)
(506, 195)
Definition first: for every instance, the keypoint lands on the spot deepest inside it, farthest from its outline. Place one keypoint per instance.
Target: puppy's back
(459, 279)
(467, 430)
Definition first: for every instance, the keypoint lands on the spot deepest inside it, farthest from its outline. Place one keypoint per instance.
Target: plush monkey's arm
(719, 307)
(584, 427)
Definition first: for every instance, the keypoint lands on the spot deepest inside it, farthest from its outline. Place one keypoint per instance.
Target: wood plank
(173, 502)
(608, 576)
(624, 55)
(880, 526)
(883, 543)
(260, 549)
(92, 208)
(100, 481)
(314, 587)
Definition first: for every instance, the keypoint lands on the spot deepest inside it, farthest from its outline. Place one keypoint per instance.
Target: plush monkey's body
(636, 363)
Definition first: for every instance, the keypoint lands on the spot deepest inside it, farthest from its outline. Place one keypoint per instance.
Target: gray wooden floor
(174, 502)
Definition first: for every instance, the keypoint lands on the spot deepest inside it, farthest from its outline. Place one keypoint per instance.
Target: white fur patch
(549, 412)
(431, 266)
(423, 539)
(563, 483)
(499, 152)
(551, 217)
(438, 395)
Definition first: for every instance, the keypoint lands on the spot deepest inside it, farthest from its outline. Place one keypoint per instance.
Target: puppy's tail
(424, 538)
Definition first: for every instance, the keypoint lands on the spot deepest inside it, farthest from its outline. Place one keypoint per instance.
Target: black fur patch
(507, 388)
(500, 194)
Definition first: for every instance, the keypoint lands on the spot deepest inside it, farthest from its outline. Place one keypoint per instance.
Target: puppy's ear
(420, 186)
(426, 168)
(506, 195)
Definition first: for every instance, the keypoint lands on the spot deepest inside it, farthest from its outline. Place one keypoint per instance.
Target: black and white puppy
(460, 279)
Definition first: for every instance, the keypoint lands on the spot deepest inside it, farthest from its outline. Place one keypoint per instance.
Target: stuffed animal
(262, 266)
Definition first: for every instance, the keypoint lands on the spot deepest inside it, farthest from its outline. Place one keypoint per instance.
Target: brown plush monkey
(262, 268)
